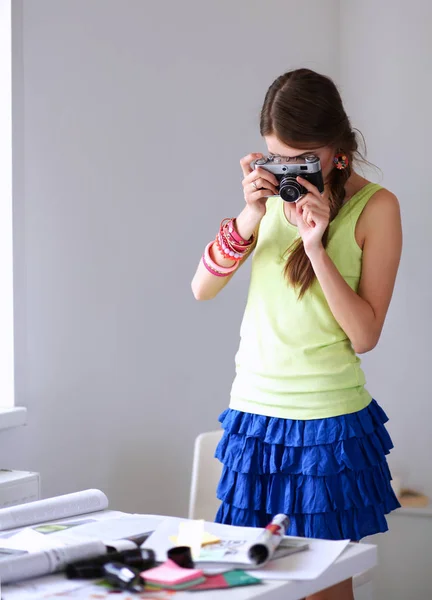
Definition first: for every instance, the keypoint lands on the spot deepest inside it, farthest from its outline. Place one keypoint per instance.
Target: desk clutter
(94, 548)
(137, 571)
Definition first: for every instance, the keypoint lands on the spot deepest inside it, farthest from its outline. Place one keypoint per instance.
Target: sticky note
(206, 540)
(170, 575)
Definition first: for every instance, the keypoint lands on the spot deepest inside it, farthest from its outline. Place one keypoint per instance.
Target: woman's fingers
(312, 214)
(312, 200)
(246, 161)
(260, 179)
(252, 197)
(259, 173)
(311, 188)
(307, 216)
(261, 183)
(317, 205)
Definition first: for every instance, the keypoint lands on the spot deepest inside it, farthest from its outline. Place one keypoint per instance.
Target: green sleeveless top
(294, 360)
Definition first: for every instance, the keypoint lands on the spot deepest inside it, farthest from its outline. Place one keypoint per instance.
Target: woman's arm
(206, 286)
(361, 315)
(258, 185)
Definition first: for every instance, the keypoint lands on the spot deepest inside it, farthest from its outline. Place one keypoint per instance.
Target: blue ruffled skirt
(330, 476)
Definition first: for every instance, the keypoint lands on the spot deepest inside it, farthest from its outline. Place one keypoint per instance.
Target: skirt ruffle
(330, 476)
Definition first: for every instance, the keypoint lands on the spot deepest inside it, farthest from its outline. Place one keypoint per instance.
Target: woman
(302, 436)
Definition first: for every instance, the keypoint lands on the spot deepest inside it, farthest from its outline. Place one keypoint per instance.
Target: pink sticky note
(171, 574)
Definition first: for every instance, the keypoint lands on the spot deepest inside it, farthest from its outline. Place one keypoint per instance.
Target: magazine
(56, 534)
(292, 558)
(231, 548)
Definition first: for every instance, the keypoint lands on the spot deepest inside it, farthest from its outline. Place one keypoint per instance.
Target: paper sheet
(49, 526)
(116, 528)
(304, 565)
(190, 533)
(30, 541)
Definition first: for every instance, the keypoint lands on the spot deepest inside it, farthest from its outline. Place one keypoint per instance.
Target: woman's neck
(354, 184)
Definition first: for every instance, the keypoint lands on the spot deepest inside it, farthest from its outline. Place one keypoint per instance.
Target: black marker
(92, 568)
(123, 577)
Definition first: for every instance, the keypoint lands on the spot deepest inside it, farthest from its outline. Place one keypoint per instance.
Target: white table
(355, 559)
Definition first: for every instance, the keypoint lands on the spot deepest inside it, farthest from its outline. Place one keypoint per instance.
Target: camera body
(286, 171)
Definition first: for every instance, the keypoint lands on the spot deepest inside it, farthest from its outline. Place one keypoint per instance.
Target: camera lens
(290, 189)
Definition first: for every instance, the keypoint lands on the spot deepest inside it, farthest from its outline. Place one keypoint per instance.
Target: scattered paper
(116, 528)
(304, 565)
(29, 541)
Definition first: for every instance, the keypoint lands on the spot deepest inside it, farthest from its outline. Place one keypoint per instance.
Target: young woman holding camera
(302, 435)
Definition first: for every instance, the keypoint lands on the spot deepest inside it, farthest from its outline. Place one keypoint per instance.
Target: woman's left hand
(313, 216)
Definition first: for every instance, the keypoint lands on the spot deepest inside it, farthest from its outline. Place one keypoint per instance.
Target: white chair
(203, 504)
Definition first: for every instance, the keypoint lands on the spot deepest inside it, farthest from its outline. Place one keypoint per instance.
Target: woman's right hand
(258, 184)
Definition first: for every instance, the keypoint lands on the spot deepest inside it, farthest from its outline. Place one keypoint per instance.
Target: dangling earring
(341, 161)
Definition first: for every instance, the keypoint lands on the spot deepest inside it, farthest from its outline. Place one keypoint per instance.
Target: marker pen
(139, 558)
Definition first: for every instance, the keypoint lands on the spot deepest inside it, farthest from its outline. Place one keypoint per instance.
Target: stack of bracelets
(232, 247)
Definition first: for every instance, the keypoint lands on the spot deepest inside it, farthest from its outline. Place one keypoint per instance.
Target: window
(6, 277)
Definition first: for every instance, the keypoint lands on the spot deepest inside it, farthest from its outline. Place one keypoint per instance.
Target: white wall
(387, 85)
(130, 120)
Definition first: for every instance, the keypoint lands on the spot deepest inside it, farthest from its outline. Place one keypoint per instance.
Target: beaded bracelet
(227, 242)
(226, 251)
(232, 246)
(214, 268)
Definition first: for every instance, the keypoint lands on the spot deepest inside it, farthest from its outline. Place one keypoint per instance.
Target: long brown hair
(303, 109)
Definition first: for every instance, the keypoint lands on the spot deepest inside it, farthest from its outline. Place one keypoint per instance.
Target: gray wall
(387, 85)
(130, 118)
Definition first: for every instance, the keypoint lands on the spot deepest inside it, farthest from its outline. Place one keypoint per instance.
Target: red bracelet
(228, 241)
(237, 237)
(228, 227)
(234, 246)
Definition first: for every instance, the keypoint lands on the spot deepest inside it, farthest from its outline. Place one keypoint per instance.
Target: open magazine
(230, 547)
(235, 550)
(42, 537)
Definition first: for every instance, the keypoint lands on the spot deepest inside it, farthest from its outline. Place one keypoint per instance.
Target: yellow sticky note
(209, 538)
(206, 540)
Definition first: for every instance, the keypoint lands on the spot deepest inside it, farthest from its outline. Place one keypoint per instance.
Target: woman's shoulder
(381, 205)
(376, 201)
(381, 214)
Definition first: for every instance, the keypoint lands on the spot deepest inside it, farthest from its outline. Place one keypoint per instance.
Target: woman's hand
(258, 185)
(313, 217)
